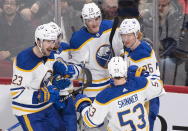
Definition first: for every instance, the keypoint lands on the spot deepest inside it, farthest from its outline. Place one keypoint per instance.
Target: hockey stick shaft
(115, 24)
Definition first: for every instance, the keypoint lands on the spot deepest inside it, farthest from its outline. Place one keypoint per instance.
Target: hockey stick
(163, 123)
(13, 127)
(115, 25)
(87, 73)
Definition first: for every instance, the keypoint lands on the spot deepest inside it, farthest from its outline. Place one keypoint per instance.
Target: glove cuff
(139, 71)
(81, 101)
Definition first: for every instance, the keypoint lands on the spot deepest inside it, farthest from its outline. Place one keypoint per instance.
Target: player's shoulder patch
(27, 60)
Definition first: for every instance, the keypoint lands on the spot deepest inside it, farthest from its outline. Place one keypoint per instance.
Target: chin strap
(40, 48)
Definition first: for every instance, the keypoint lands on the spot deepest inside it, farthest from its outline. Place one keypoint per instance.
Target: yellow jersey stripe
(87, 122)
(82, 100)
(33, 68)
(136, 61)
(100, 89)
(88, 41)
(14, 93)
(28, 124)
(82, 45)
(31, 111)
(121, 96)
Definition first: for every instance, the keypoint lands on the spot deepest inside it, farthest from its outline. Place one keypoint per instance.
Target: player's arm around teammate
(139, 52)
(122, 103)
(32, 93)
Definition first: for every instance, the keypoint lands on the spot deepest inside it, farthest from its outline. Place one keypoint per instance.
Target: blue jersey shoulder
(142, 51)
(27, 60)
(111, 93)
(81, 36)
(63, 46)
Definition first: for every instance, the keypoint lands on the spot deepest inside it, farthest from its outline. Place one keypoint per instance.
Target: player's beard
(46, 52)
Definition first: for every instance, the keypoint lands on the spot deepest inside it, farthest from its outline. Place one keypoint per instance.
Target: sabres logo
(103, 55)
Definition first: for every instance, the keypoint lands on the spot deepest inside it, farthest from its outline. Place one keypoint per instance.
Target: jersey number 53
(130, 122)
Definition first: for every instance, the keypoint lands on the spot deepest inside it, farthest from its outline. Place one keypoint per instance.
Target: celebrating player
(140, 53)
(91, 44)
(32, 92)
(122, 103)
(67, 113)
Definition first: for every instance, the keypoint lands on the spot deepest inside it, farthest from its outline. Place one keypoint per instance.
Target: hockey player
(140, 53)
(91, 44)
(67, 113)
(32, 93)
(122, 103)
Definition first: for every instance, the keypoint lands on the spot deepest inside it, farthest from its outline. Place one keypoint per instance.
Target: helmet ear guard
(117, 67)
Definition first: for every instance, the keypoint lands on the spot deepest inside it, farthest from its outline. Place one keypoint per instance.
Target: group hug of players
(125, 88)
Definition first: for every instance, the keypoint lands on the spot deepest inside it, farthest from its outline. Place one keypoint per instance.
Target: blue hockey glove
(63, 69)
(81, 102)
(141, 72)
(60, 83)
(59, 68)
(50, 93)
(134, 71)
(70, 71)
(43, 95)
(131, 71)
(54, 96)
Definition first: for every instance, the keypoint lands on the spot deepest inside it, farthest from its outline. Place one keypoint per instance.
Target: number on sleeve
(17, 80)
(92, 110)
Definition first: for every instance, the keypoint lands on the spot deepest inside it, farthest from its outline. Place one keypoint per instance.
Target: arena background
(168, 33)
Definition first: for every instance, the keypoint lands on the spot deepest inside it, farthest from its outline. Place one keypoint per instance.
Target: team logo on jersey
(103, 55)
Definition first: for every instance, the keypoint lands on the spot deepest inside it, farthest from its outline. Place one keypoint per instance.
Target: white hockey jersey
(94, 50)
(29, 72)
(123, 105)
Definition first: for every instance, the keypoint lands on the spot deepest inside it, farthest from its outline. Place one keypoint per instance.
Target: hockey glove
(63, 69)
(141, 72)
(81, 102)
(50, 93)
(60, 83)
(43, 95)
(59, 68)
(70, 71)
(54, 96)
(134, 71)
